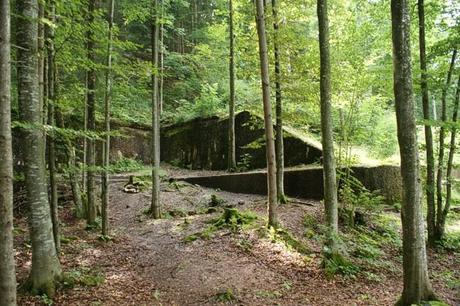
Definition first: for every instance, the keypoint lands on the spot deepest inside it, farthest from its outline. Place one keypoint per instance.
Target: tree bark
(91, 118)
(51, 121)
(71, 164)
(162, 55)
(231, 104)
(329, 171)
(155, 208)
(450, 165)
(7, 270)
(279, 142)
(417, 285)
(45, 263)
(439, 176)
(269, 137)
(107, 102)
(430, 181)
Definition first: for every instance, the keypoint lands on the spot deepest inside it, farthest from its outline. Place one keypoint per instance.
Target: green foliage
(82, 277)
(226, 296)
(231, 219)
(244, 163)
(126, 165)
(46, 300)
(356, 200)
(335, 263)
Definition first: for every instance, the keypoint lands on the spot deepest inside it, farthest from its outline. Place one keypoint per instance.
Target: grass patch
(84, 277)
(231, 219)
(226, 296)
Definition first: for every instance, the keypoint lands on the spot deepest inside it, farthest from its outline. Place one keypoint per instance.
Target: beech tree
(91, 209)
(430, 180)
(279, 109)
(45, 263)
(329, 175)
(107, 102)
(440, 203)
(155, 208)
(231, 104)
(417, 287)
(51, 102)
(269, 137)
(7, 271)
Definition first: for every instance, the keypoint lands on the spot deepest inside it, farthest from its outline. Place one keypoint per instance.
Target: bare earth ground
(149, 263)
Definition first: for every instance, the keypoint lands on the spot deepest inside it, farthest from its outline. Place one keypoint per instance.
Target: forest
(214, 152)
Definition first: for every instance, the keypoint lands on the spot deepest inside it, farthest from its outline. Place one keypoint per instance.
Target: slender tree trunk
(269, 137)
(231, 104)
(329, 172)
(51, 121)
(155, 208)
(430, 181)
(439, 202)
(71, 164)
(84, 160)
(450, 164)
(7, 272)
(45, 263)
(279, 110)
(417, 285)
(85, 148)
(91, 119)
(106, 150)
(162, 56)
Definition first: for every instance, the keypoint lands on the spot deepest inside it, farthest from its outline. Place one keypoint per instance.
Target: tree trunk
(45, 263)
(155, 208)
(417, 285)
(91, 119)
(71, 164)
(42, 60)
(430, 181)
(51, 121)
(439, 202)
(7, 272)
(450, 164)
(279, 143)
(231, 104)
(329, 172)
(162, 64)
(106, 150)
(269, 137)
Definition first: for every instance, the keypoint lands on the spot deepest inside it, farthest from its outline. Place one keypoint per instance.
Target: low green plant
(244, 163)
(231, 219)
(226, 296)
(335, 263)
(356, 200)
(83, 277)
(125, 164)
(46, 300)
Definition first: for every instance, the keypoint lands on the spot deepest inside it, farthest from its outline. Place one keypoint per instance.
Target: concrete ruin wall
(307, 183)
(202, 144)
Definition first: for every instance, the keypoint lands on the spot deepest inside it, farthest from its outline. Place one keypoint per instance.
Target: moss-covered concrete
(202, 144)
(307, 182)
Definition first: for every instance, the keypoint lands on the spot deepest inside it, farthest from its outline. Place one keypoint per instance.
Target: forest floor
(181, 260)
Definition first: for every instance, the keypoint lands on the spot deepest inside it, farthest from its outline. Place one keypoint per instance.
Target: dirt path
(149, 263)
